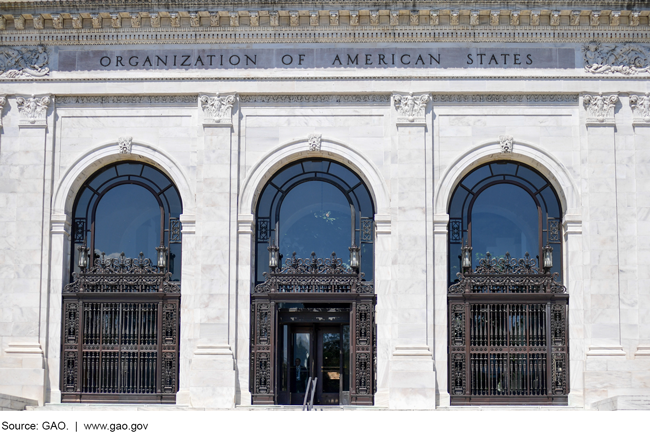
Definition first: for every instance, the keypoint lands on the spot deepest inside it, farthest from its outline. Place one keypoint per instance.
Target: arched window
(508, 332)
(312, 327)
(315, 206)
(129, 208)
(121, 307)
(500, 208)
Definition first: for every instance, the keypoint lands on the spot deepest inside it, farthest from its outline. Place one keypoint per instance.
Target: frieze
(24, 62)
(316, 98)
(627, 59)
(506, 98)
(119, 100)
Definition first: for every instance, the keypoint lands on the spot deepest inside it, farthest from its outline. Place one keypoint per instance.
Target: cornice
(361, 34)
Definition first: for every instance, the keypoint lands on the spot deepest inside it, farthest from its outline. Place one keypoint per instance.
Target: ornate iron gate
(508, 336)
(313, 280)
(120, 334)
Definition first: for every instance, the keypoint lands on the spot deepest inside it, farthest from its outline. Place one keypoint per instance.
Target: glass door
(329, 366)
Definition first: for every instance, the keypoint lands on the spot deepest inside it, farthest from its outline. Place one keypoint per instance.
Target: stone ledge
(13, 403)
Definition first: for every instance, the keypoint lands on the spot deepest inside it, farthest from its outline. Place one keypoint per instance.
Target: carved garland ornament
(626, 59)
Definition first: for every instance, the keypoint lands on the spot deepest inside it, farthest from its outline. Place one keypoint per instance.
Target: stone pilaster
(412, 379)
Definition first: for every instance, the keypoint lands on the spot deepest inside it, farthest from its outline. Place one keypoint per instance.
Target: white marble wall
(600, 171)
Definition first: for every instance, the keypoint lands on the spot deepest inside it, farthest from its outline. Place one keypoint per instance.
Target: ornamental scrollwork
(122, 274)
(411, 108)
(626, 59)
(217, 109)
(33, 109)
(314, 275)
(600, 108)
(24, 62)
(640, 105)
(507, 275)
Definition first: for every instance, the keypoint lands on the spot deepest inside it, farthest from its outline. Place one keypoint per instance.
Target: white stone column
(245, 259)
(602, 276)
(189, 299)
(212, 371)
(23, 367)
(383, 312)
(412, 378)
(573, 269)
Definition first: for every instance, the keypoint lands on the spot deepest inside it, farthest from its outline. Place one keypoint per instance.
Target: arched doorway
(313, 301)
(120, 309)
(508, 337)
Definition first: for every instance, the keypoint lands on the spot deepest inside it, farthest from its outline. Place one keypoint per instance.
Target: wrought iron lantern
(466, 257)
(83, 257)
(354, 257)
(548, 257)
(274, 256)
(162, 256)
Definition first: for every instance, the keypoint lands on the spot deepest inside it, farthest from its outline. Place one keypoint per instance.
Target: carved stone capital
(217, 110)
(627, 59)
(125, 144)
(411, 109)
(314, 141)
(640, 105)
(33, 110)
(506, 142)
(600, 109)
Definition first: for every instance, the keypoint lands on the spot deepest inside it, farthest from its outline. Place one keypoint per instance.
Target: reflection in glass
(331, 371)
(346, 357)
(315, 216)
(128, 220)
(498, 228)
(299, 371)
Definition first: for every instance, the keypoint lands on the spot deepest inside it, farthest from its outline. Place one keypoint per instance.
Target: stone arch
(546, 164)
(91, 161)
(294, 150)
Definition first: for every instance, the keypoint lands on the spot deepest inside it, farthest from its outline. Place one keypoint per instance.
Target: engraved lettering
(108, 61)
(517, 62)
(433, 58)
(159, 60)
(530, 60)
(290, 59)
(505, 58)
(198, 59)
(337, 59)
(470, 61)
(147, 60)
(301, 58)
(211, 56)
(495, 60)
(118, 61)
(382, 59)
(136, 62)
(354, 60)
(420, 59)
(174, 60)
(231, 61)
(402, 59)
(253, 60)
(368, 59)
(481, 55)
(185, 59)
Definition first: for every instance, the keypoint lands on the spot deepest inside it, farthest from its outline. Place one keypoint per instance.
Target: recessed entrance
(309, 349)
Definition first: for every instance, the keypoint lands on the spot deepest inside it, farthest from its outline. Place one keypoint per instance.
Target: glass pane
(284, 367)
(129, 169)
(504, 219)
(346, 358)
(551, 202)
(284, 176)
(299, 371)
(156, 177)
(364, 202)
(82, 203)
(128, 220)
(315, 166)
(102, 178)
(345, 174)
(531, 176)
(367, 262)
(331, 370)
(175, 207)
(315, 216)
(477, 175)
(264, 206)
(503, 168)
(455, 210)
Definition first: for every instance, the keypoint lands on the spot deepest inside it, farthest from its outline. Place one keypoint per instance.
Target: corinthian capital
(600, 109)
(410, 108)
(33, 110)
(217, 110)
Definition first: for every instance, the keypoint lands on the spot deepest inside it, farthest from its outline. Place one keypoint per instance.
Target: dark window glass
(532, 177)
(476, 176)
(153, 175)
(100, 179)
(129, 169)
(127, 220)
(498, 228)
(315, 216)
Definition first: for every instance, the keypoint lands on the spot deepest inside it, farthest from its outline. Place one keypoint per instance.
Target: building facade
(401, 205)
